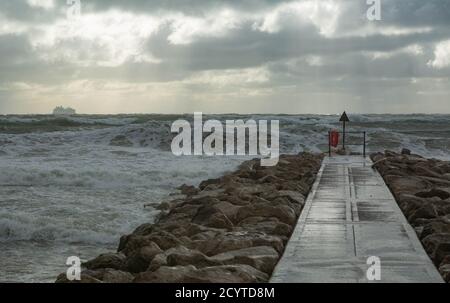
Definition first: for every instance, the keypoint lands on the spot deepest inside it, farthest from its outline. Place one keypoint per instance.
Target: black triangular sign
(344, 118)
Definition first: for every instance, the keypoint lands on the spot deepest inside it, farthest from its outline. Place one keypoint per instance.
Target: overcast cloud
(251, 56)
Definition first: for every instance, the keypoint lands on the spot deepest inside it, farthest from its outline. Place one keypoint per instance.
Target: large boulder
(406, 151)
(164, 239)
(293, 196)
(214, 274)
(428, 211)
(270, 226)
(437, 246)
(181, 256)
(237, 240)
(205, 183)
(109, 260)
(444, 270)
(284, 213)
(188, 190)
(212, 216)
(409, 185)
(104, 275)
(229, 209)
(139, 260)
(442, 194)
(116, 276)
(263, 258)
(85, 278)
(435, 227)
(165, 274)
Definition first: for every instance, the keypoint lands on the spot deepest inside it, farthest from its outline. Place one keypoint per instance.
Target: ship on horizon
(64, 111)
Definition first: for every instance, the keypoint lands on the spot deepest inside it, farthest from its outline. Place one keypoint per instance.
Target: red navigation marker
(334, 138)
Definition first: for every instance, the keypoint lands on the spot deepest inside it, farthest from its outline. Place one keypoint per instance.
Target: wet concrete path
(349, 216)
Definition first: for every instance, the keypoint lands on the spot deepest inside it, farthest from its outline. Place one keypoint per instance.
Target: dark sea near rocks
(230, 229)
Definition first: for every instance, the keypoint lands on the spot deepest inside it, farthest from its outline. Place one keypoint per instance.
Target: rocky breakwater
(422, 189)
(230, 229)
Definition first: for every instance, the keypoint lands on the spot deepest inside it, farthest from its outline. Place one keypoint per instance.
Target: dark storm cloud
(295, 49)
(417, 13)
(21, 10)
(247, 48)
(194, 7)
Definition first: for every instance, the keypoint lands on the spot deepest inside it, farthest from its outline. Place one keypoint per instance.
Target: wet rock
(284, 213)
(109, 260)
(188, 257)
(407, 184)
(375, 157)
(205, 183)
(188, 190)
(204, 195)
(437, 246)
(182, 256)
(425, 212)
(442, 194)
(237, 240)
(270, 179)
(253, 189)
(263, 258)
(182, 211)
(390, 153)
(165, 240)
(424, 171)
(219, 220)
(212, 216)
(444, 270)
(130, 243)
(85, 278)
(179, 252)
(191, 230)
(144, 229)
(215, 274)
(406, 151)
(115, 276)
(139, 260)
(435, 227)
(229, 209)
(165, 274)
(270, 226)
(104, 275)
(227, 274)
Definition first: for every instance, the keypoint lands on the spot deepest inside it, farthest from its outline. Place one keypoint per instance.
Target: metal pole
(329, 143)
(364, 150)
(343, 138)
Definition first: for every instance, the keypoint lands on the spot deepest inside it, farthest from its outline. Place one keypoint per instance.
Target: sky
(217, 56)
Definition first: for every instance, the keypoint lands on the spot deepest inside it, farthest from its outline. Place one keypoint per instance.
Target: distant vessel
(63, 111)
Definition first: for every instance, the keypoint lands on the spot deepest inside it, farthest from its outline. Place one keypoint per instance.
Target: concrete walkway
(349, 216)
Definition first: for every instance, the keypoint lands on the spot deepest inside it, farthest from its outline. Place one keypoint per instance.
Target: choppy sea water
(66, 190)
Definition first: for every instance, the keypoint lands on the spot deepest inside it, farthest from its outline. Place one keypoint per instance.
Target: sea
(71, 186)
